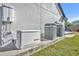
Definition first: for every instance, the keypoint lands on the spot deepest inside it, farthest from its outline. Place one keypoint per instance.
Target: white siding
(27, 17)
(49, 14)
(30, 16)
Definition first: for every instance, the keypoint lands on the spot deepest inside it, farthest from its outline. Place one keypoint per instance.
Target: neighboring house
(75, 26)
(30, 20)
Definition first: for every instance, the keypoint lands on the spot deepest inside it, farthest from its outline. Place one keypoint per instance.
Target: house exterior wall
(49, 14)
(33, 16)
(27, 17)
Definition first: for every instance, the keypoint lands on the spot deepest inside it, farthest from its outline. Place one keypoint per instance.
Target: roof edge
(60, 9)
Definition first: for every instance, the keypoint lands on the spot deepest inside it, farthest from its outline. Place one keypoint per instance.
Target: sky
(71, 10)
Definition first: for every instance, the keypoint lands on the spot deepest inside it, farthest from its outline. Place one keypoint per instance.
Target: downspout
(1, 16)
(40, 22)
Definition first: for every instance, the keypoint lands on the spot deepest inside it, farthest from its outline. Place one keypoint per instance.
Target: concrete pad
(41, 45)
(69, 35)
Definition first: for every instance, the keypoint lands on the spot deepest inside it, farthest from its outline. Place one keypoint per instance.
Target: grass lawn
(66, 47)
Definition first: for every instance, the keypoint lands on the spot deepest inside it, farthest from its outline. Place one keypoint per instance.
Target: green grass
(66, 47)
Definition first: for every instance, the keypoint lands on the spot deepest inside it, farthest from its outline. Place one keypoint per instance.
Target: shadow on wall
(10, 46)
